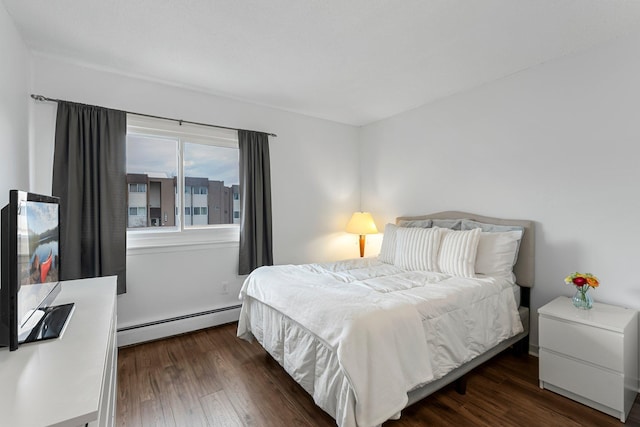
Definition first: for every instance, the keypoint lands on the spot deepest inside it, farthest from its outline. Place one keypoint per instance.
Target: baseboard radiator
(163, 328)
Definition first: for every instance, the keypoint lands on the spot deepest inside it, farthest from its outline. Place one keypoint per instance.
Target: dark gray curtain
(255, 198)
(89, 176)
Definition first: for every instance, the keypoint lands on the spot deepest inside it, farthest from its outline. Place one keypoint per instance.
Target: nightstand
(590, 356)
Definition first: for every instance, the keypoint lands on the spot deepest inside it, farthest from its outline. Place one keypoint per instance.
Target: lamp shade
(361, 223)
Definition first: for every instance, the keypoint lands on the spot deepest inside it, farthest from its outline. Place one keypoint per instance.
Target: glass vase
(582, 298)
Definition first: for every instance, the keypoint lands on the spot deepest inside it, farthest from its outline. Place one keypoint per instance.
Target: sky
(41, 216)
(159, 155)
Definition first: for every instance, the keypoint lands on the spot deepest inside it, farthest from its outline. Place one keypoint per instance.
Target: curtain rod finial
(38, 97)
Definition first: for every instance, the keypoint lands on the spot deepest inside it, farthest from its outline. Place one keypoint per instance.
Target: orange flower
(593, 282)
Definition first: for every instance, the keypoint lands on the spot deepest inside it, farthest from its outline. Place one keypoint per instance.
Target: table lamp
(361, 223)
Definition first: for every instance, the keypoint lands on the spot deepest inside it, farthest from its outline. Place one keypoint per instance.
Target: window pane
(152, 163)
(212, 172)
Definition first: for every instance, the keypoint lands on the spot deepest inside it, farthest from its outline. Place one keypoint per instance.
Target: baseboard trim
(149, 331)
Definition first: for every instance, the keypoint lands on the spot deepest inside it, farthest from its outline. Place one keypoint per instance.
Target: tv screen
(30, 265)
(38, 253)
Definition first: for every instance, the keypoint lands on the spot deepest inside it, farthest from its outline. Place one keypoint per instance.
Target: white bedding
(359, 334)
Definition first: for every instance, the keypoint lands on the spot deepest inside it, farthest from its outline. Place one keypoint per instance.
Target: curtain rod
(44, 98)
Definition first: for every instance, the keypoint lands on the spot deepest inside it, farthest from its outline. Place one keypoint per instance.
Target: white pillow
(497, 252)
(388, 248)
(417, 248)
(458, 251)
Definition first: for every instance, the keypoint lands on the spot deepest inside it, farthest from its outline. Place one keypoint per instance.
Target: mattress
(430, 322)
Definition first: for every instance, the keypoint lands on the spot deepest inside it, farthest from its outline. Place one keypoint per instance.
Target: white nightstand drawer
(598, 346)
(588, 381)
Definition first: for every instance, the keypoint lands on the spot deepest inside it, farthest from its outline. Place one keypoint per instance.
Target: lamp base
(362, 241)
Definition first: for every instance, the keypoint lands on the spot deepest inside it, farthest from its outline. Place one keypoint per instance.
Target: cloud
(152, 155)
(42, 216)
(212, 162)
(160, 156)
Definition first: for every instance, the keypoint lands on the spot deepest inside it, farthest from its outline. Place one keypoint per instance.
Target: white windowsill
(173, 240)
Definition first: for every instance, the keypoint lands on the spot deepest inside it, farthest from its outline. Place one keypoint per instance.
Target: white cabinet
(590, 356)
(69, 381)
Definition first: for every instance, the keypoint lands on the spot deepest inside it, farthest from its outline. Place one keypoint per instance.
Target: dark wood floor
(211, 378)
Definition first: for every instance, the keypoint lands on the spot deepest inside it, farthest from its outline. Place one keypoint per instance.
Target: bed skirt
(314, 364)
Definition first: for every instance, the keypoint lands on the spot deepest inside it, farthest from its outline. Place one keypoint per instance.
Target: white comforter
(392, 330)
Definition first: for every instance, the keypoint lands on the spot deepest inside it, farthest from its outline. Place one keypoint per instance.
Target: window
(163, 155)
(137, 188)
(138, 211)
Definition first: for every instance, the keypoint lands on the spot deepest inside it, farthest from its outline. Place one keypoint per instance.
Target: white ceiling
(351, 61)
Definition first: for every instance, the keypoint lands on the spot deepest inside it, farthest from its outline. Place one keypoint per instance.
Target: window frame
(180, 235)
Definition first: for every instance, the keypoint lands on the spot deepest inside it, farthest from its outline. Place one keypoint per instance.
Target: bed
(368, 337)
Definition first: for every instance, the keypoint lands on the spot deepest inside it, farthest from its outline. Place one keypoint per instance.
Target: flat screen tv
(30, 270)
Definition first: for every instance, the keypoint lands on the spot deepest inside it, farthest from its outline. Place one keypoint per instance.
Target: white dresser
(69, 381)
(590, 356)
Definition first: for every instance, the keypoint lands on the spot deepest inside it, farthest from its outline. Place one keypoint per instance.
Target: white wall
(14, 109)
(557, 144)
(314, 183)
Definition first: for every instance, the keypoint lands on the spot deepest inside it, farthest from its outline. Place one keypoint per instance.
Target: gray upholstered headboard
(525, 265)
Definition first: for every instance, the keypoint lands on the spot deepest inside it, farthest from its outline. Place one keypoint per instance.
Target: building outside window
(236, 203)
